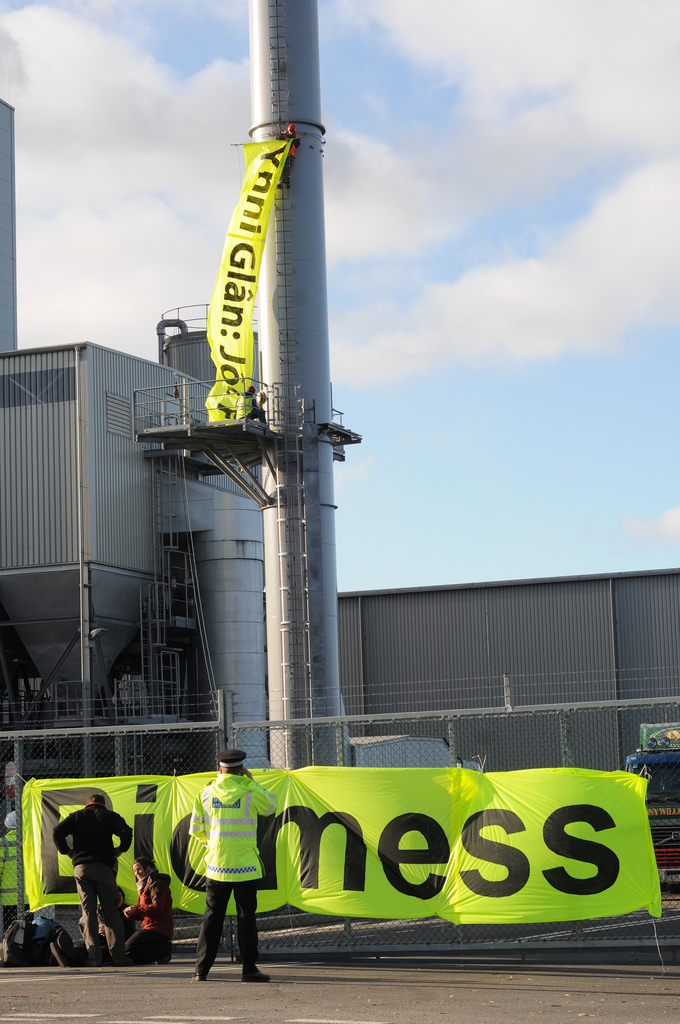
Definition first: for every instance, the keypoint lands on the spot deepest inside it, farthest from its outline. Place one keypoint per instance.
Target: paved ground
(596, 987)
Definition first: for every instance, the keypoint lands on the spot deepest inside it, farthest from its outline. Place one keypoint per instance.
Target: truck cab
(658, 760)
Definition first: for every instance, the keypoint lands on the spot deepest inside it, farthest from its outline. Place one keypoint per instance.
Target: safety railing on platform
(182, 403)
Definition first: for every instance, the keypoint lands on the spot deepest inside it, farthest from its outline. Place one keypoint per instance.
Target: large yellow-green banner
(555, 844)
(230, 316)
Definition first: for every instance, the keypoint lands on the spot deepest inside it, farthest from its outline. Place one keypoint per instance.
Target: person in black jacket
(94, 860)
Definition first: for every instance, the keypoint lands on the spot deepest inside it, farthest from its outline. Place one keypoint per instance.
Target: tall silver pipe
(293, 320)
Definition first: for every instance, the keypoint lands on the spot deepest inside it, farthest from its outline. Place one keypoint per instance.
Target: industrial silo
(103, 547)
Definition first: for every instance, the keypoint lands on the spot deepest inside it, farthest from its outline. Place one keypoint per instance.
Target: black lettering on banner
(565, 845)
(267, 178)
(238, 316)
(495, 853)
(257, 201)
(52, 801)
(437, 851)
(179, 857)
(237, 257)
(228, 357)
(274, 155)
(234, 292)
(143, 827)
(311, 828)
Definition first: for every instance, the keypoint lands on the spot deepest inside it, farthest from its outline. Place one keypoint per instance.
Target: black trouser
(217, 897)
(147, 946)
(99, 880)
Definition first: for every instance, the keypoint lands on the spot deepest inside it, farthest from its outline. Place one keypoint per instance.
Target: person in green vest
(224, 819)
(8, 871)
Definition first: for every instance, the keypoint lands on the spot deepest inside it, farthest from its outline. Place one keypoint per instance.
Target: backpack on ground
(15, 948)
(45, 931)
(27, 943)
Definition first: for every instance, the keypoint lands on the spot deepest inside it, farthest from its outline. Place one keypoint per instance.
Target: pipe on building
(160, 332)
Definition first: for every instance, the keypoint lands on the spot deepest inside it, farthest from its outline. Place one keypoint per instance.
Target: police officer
(224, 819)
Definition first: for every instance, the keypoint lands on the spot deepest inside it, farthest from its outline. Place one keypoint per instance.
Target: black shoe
(125, 962)
(255, 976)
(199, 977)
(59, 955)
(165, 959)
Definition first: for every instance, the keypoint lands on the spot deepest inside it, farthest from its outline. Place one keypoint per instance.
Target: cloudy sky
(504, 336)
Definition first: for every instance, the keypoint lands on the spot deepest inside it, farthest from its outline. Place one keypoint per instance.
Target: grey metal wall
(120, 497)
(38, 499)
(76, 502)
(39, 394)
(557, 640)
(8, 304)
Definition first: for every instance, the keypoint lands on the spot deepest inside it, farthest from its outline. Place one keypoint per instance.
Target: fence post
(225, 716)
(507, 691)
(340, 744)
(455, 761)
(566, 727)
(453, 742)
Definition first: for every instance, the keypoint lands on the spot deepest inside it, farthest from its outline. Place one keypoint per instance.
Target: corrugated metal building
(75, 503)
(105, 547)
(8, 294)
(516, 643)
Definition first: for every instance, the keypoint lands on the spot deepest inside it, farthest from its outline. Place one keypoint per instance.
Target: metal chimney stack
(299, 531)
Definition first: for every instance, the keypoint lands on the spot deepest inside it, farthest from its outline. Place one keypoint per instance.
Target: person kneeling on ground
(151, 944)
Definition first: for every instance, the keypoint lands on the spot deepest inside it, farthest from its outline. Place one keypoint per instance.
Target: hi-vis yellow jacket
(8, 869)
(224, 818)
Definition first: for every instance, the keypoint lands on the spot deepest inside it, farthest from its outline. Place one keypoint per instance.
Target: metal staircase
(166, 603)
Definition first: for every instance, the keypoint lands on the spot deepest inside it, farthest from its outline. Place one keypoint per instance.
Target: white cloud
(613, 272)
(608, 70)
(664, 530)
(379, 201)
(126, 179)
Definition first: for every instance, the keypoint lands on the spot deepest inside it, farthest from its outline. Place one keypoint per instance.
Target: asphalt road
(616, 987)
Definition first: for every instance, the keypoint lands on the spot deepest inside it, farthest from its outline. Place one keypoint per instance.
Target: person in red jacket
(290, 135)
(152, 942)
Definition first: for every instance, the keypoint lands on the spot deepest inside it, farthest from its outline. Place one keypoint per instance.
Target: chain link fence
(180, 749)
(597, 736)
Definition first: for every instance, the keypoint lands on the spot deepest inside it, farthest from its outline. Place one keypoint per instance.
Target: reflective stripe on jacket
(224, 818)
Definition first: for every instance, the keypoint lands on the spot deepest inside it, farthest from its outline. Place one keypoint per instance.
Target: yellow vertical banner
(230, 317)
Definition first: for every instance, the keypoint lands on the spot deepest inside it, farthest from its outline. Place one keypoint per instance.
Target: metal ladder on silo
(290, 485)
(160, 666)
(278, 50)
(292, 548)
